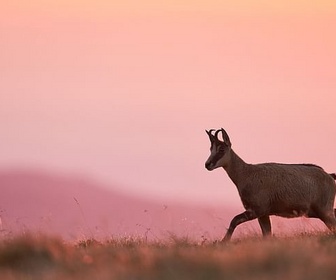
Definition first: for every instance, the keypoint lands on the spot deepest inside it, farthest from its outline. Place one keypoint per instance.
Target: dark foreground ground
(309, 256)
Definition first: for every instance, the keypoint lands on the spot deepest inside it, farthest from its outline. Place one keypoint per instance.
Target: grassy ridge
(42, 257)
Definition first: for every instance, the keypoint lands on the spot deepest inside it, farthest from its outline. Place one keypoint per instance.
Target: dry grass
(41, 257)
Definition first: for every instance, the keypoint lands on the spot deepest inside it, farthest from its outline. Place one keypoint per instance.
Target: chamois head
(220, 149)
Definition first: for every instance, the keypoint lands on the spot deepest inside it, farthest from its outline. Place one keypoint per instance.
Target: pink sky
(123, 92)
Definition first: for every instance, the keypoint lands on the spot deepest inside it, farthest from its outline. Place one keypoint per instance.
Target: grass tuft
(304, 256)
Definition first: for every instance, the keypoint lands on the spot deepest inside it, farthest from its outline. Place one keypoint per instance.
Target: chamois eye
(221, 149)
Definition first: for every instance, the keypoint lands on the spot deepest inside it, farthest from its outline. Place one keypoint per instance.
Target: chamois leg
(265, 225)
(237, 220)
(330, 221)
(328, 217)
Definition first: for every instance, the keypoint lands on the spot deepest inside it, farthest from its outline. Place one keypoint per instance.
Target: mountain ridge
(72, 206)
(75, 207)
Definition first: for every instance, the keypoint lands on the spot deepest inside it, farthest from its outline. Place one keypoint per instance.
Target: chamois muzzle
(208, 166)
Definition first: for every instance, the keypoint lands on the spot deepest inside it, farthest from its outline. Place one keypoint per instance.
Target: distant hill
(75, 207)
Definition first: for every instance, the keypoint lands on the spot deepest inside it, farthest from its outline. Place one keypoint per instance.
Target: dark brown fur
(333, 175)
(287, 190)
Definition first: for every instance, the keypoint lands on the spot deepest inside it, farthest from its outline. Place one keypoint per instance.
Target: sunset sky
(122, 91)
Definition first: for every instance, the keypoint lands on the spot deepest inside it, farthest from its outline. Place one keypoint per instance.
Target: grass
(307, 256)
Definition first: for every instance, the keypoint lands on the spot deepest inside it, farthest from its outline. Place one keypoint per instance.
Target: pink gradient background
(122, 93)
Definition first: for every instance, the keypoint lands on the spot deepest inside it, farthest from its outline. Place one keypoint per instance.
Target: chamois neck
(236, 168)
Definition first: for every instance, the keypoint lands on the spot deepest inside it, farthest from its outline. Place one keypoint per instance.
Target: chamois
(286, 190)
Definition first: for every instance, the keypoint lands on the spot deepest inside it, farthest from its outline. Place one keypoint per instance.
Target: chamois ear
(226, 138)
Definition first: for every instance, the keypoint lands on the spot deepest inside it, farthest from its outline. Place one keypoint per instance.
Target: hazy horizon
(123, 92)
